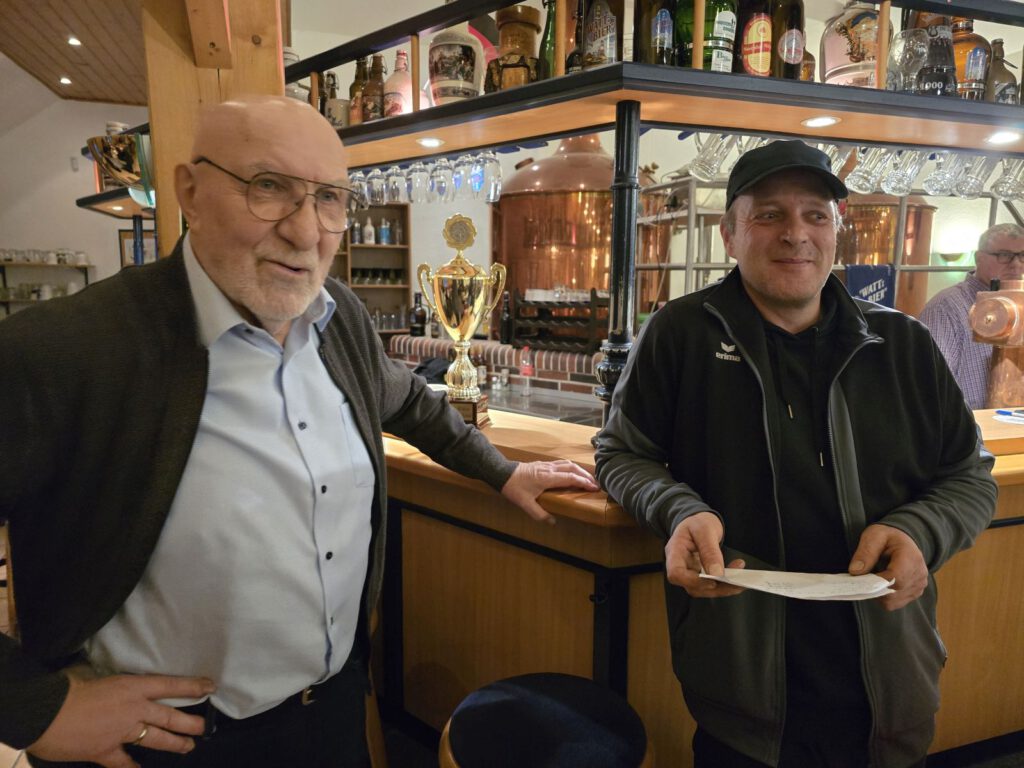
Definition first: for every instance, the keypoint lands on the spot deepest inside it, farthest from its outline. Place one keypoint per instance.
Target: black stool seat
(546, 719)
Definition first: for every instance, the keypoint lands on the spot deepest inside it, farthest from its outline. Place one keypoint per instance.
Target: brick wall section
(564, 371)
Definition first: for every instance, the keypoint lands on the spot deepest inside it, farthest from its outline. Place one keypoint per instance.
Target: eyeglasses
(1007, 257)
(276, 196)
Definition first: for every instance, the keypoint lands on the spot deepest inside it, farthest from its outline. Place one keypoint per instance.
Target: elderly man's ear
(185, 189)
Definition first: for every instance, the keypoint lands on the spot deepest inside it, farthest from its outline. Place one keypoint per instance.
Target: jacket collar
(729, 301)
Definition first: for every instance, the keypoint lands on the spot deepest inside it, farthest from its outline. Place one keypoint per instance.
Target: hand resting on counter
(530, 479)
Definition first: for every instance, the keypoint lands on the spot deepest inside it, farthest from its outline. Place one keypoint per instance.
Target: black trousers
(330, 732)
(817, 751)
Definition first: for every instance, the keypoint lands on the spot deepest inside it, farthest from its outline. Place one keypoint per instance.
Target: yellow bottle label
(757, 45)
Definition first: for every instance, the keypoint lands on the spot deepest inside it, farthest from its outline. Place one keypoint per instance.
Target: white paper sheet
(807, 586)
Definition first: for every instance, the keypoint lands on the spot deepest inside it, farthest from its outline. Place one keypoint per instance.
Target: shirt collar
(215, 315)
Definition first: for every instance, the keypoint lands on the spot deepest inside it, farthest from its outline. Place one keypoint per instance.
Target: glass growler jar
(752, 52)
(849, 46)
(602, 33)
(972, 54)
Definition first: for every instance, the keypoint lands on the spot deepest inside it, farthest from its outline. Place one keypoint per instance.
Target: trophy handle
(421, 272)
(498, 273)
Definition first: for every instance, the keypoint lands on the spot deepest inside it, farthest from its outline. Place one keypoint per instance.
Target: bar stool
(545, 720)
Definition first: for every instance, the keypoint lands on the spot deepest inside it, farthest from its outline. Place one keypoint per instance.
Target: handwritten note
(807, 586)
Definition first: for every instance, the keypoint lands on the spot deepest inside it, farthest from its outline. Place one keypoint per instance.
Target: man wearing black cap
(773, 421)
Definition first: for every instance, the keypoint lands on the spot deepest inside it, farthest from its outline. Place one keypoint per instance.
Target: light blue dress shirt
(257, 577)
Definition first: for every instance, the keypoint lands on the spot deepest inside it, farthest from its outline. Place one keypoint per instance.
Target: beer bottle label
(1006, 93)
(661, 30)
(757, 45)
(791, 46)
(600, 36)
(394, 103)
(725, 26)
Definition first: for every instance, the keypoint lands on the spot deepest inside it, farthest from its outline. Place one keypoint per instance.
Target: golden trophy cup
(461, 294)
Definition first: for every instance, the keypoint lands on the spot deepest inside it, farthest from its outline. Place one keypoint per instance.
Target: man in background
(192, 465)
(1000, 256)
(773, 421)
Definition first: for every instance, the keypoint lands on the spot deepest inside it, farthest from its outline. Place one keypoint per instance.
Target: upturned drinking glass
(942, 180)
(357, 181)
(442, 185)
(907, 165)
(837, 154)
(492, 176)
(1010, 184)
(460, 177)
(972, 183)
(417, 179)
(396, 185)
(712, 154)
(871, 164)
(907, 54)
(376, 187)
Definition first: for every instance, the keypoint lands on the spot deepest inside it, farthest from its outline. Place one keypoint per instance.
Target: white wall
(40, 184)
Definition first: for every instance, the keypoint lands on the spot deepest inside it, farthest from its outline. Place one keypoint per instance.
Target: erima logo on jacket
(727, 353)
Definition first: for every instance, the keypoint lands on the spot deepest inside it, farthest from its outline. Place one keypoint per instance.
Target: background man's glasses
(276, 196)
(1007, 257)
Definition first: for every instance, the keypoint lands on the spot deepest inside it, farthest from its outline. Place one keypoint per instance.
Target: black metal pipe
(622, 281)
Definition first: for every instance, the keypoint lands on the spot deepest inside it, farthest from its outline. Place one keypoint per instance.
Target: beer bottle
(1001, 86)
(787, 38)
(602, 32)
(752, 53)
(418, 317)
(355, 93)
(574, 61)
(546, 60)
(719, 34)
(373, 91)
(654, 32)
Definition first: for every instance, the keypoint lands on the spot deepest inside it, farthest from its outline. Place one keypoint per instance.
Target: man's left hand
(883, 545)
(531, 479)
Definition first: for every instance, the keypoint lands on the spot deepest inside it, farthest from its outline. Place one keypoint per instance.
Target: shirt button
(323, 489)
(249, 331)
(302, 425)
(330, 555)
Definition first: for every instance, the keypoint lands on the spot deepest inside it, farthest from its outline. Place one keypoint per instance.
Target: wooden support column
(178, 88)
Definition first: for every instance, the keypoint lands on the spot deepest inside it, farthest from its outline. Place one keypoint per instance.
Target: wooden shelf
(37, 265)
(685, 98)
(378, 246)
(105, 202)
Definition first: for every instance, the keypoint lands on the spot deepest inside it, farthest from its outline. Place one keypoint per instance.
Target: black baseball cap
(760, 163)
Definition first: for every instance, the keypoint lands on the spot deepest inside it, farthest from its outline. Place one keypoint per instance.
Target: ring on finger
(141, 736)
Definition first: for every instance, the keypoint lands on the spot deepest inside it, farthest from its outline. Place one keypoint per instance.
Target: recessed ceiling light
(430, 142)
(1003, 137)
(117, 207)
(74, 40)
(65, 80)
(820, 122)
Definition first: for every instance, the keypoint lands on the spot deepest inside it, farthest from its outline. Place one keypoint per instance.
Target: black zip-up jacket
(689, 431)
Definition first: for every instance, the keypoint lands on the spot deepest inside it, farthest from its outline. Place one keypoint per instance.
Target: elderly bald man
(192, 465)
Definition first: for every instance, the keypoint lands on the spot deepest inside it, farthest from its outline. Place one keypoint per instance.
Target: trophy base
(473, 411)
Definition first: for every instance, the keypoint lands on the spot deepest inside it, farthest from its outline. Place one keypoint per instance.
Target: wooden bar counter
(477, 591)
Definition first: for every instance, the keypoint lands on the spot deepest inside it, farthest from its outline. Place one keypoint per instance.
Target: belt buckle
(307, 696)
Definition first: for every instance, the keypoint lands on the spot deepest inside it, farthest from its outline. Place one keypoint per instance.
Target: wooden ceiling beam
(178, 88)
(210, 27)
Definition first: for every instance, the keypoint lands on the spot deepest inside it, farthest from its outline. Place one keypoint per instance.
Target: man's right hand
(100, 716)
(696, 541)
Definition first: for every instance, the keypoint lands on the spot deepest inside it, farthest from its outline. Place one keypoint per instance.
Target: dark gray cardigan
(100, 398)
